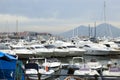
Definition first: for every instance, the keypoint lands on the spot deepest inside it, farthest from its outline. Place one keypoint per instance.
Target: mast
(105, 17)
(95, 30)
(108, 29)
(17, 29)
(7, 30)
(17, 26)
(73, 32)
(77, 31)
(89, 31)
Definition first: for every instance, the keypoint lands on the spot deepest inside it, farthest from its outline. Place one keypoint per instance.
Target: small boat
(86, 71)
(52, 63)
(36, 72)
(113, 73)
(94, 64)
(77, 62)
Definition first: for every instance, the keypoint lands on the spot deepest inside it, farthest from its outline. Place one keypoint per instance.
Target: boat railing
(83, 77)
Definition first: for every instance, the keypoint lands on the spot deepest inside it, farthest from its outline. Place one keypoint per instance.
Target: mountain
(102, 30)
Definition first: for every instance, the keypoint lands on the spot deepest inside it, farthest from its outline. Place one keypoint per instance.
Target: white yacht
(93, 48)
(72, 49)
(21, 51)
(112, 46)
(117, 41)
(40, 50)
(6, 49)
(96, 49)
(57, 51)
(60, 52)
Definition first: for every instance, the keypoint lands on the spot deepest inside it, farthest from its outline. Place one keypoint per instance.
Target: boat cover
(7, 67)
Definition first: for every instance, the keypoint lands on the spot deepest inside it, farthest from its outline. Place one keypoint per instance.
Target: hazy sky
(56, 15)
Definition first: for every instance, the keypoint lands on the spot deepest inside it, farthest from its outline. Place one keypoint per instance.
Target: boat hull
(96, 52)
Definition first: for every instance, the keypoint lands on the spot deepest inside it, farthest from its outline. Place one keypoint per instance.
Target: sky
(56, 16)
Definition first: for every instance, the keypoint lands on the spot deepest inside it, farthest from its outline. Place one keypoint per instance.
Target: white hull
(25, 55)
(96, 52)
(44, 54)
(76, 53)
(42, 74)
(114, 75)
(60, 54)
(114, 52)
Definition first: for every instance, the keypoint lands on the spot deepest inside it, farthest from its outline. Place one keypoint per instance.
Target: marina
(59, 40)
(52, 59)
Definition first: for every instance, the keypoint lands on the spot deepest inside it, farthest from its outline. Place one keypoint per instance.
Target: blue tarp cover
(6, 56)
(7, 66)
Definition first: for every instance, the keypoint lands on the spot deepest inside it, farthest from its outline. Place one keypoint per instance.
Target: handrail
(96, 77)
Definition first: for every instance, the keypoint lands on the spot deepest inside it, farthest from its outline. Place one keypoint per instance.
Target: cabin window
(107, 45)
(71, 46)
(86, 46)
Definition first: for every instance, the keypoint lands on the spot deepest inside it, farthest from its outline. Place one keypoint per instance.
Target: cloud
(51, 24)
(13, 18)
(34, 24)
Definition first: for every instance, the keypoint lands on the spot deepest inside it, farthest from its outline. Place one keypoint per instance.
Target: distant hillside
(101, 30)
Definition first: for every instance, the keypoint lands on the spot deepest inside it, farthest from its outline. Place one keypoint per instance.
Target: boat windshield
(77, 59)
(19, 48)
(39, 47)
(71, 46)
(49, 46)
(59, 48)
